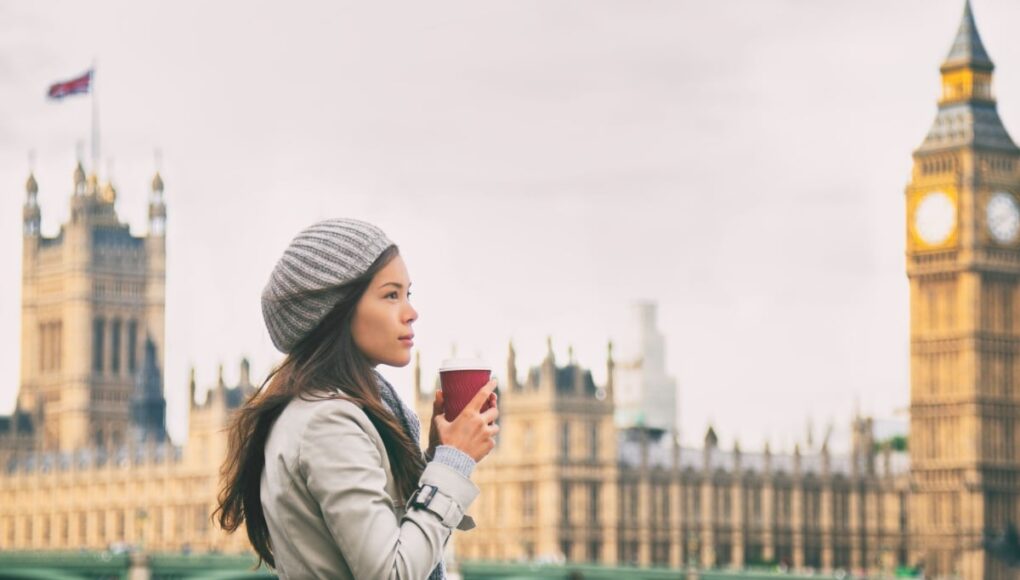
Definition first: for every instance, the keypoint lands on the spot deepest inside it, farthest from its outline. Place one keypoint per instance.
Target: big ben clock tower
(963, 263)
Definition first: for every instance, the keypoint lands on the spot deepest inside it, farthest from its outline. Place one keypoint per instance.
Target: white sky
(541, 164)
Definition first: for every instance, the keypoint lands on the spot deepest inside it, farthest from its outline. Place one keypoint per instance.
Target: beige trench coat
(327, 493)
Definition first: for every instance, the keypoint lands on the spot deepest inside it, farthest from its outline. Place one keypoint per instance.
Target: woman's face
(381, 327)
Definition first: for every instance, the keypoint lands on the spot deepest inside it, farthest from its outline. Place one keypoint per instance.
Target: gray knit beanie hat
(303, 286)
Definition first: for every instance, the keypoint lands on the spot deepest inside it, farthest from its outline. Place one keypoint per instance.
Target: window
(593, 501)
(527, 436)
(115, 346)
(696, 494)
(633, 492)
(132, 346)
(660, 553)
(97, 344)
(43, 348)
(665, 504)
(49, 346)
(594, 551)
(528, 500)
(565, 547)
(58, 337)
(565, 440)
(201, 521)
(593, 441)
(565, 503)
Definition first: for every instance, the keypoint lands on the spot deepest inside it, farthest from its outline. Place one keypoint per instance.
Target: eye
(408, 294)
(392, 295)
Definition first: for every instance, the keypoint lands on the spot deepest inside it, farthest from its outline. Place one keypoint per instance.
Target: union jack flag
(81, 84)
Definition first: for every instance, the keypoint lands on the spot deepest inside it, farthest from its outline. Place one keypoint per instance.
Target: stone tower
(963, 263)
(92, 300)
(645, 395)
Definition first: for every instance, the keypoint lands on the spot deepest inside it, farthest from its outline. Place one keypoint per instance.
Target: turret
(32, 215)
(826, 459)
(245, 376)
(610, 371)
(579, 375)
(79, 179)
(711, 442)
(157, 208)
(736, 458)
(511, 369)
(547, 373)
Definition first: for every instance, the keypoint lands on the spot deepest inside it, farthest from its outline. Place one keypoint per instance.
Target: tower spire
(967, 115)
(967, 49)
(31, 213)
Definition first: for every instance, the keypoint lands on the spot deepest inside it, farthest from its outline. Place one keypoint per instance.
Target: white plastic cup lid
(464, 364)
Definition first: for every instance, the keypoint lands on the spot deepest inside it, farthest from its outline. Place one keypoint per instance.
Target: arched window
(98, 335)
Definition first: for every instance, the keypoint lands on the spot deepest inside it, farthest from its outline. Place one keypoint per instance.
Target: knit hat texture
(304, 285)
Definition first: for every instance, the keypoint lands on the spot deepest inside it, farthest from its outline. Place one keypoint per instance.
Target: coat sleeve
(343, 471)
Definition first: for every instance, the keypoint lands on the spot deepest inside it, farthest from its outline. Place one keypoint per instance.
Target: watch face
(935, 218)
(1003, 217)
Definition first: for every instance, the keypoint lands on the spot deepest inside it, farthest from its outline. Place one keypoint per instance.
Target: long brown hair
(322, 362)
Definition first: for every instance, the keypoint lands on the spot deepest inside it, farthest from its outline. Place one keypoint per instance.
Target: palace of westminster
(582, 471)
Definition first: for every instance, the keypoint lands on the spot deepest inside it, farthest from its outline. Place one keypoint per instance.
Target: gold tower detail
(92, 322)
(963, 263)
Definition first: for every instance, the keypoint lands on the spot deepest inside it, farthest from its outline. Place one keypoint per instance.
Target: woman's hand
(472, 431)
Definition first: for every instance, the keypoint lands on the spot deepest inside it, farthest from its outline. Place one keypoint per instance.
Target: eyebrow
(397, 284)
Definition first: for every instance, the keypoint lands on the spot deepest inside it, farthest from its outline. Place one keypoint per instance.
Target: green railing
(110, 566)
(64, 565)
(482, 570)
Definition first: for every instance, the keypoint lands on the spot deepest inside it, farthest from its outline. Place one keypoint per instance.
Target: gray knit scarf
(412, 427)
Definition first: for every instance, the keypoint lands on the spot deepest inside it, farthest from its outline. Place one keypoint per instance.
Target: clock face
(935, 218)
(1003, 217)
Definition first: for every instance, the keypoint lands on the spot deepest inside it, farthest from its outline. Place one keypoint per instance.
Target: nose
(411, 315)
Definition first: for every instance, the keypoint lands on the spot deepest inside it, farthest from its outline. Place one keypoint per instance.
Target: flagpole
(95, 121)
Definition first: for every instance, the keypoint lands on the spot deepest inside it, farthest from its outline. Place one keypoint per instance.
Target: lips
(407, 340)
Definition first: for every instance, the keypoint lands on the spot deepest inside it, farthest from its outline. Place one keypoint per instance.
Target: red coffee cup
(461, 379)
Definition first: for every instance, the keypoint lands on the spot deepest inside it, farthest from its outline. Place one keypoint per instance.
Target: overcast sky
(541, 164)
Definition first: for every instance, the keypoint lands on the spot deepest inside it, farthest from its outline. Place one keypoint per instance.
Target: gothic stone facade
(84, 460)
(563, 482)
(963, 262)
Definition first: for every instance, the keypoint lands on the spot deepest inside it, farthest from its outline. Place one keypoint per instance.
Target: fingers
(437, 403)
(490, 415)
(440, 420)
(482, 395)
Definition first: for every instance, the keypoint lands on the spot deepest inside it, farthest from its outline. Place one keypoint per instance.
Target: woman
(324, 467)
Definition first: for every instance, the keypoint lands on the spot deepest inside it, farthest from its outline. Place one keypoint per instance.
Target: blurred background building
(963, 262)
(85, 457)
(565, 483)
(645, 396)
